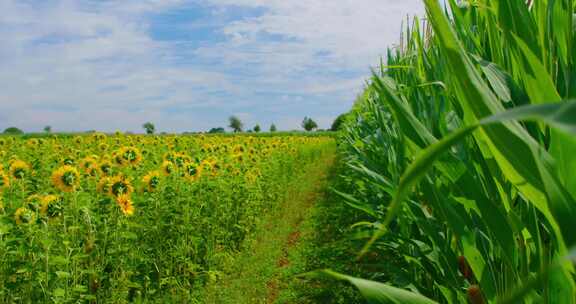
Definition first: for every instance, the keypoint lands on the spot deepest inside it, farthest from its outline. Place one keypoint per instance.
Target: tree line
(234, 123)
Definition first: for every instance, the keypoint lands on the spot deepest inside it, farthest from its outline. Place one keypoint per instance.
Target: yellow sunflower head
(89, 165)
(98, 136)
(103, 147)
(239, 157)
(192, 171)
(19, 169)
(238, 149)
(4, 180)
(168, 167)
(105, 167)
(51, 206)
(32, 142)
(120, 185)
(66, 178)
(104, 185)
(78, 140)
(206, 165)
(180, 159)
(126, 204)
(34, 202)
(24, 215)
(130, 155)
(152, 180)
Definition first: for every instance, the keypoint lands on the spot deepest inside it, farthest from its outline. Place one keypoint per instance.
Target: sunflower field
(121, 218)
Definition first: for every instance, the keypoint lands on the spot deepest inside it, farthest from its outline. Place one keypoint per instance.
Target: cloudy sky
(188, 64)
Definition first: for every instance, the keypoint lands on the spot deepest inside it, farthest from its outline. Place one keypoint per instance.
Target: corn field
(461, 152)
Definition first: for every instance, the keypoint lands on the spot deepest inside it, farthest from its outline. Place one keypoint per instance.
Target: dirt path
(293, 238)
(258, 272)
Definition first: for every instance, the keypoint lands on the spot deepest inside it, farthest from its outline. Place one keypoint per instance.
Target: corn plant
(465, 144)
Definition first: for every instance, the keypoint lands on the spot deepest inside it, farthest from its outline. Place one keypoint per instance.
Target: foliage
(309, 124)
(134, 218)
(218, 130)
(338, 122)
(149, 128)
(478, 201)
(13, 131)
(48, 129)
(257, 128)
(273, 128)
(235, 124)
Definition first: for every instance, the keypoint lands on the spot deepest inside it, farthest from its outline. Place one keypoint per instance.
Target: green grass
(266, 261)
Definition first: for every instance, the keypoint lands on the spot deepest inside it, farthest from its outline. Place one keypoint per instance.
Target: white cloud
(81, 64)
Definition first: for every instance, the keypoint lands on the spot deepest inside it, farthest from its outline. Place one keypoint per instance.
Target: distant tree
(235, 124)
(217, 130)
(257, 128)
(338, 122)
(309, 124)
(48, 129)
(149, 128)
(13, 131)
(273, 128)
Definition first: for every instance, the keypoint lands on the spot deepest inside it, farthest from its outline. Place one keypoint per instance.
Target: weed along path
(259, 272)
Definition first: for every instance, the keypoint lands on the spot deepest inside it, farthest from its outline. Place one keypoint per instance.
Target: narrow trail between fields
(260, 271)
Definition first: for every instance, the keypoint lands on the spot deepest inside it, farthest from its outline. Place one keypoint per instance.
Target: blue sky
(188, 65)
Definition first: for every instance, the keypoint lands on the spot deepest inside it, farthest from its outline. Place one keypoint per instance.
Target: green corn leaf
(518, 155)
(559, 115)
(379, 293)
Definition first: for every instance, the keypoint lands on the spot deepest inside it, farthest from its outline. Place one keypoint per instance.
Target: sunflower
(105, 167)
(192, 171)
(51, 206)
(32, 142)
(180, 159)
(239, 157)
(4, 180)
(104, 185)
(24, 215)
(103, 147)
(98, 136)
(130, 155)
(117, 158)
(33, 202)
(66, 178)
(152, 180)
(19, 169)
(167, 167)
(125, 204)
(120, 185)
(206, 165)
(78, 140)
(169, 156)
(89, 165)
(238, 149)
